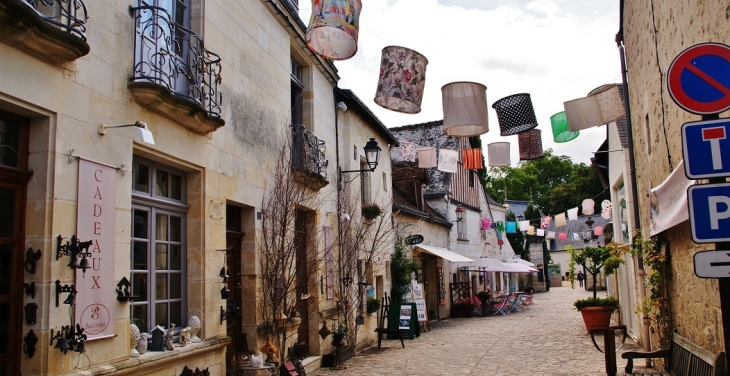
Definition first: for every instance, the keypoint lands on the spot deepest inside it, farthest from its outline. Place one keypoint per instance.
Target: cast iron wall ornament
(124, 291)
(75, 249)
(198, 372)
(69, 288)
(30, 313)
(31, 258)
(30, 340)
(29, 289)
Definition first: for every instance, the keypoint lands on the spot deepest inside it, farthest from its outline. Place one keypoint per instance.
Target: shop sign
(95, 300)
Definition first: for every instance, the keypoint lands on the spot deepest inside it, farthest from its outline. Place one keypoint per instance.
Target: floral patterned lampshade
(465, 109)
(602, 106)
(402, 80)
(515, 114)
(561, 132)
(333, 28)
(530, 144)
(498, 154)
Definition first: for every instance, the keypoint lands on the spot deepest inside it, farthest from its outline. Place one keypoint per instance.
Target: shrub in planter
(462, 308)
(528, 289)
(370, 211)
(484, 296)
(372, 305)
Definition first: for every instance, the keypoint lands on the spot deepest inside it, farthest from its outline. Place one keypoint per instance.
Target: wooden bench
(682, 358)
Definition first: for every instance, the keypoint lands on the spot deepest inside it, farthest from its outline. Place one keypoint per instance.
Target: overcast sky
(556, 50)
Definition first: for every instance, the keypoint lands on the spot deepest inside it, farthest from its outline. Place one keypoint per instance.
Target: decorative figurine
(142, 344)
(271, 351)
(257, 361)
(194, 325)
(168, 337)
(184, 336)
(133, 340)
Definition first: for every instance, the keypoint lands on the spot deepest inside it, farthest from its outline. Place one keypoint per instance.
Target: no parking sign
(699, 79)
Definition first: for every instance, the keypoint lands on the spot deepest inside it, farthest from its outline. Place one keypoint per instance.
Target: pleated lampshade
(561, 132)
(515, 114)
(402, 80)
(333, 28)
(465, 109)
(530, 143)
(601, 107)
(498, 154)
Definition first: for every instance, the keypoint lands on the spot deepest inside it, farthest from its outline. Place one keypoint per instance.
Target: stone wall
(655, 32)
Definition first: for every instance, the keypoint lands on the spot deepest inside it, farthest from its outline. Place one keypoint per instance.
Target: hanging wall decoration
(333, 28)
(561, 131)
(560, 220)
(573, 214)
(515, 114)
(545, 221)
(465, 109)
(530, 143)
(602, 106)
(402, 80)
(498, 154)
(587, 206)
(606, 209)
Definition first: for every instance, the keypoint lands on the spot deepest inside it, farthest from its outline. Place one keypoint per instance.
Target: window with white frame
(158, 255)
(461, 228)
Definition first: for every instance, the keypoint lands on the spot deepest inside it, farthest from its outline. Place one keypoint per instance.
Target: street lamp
(372, 156)
(460, 213)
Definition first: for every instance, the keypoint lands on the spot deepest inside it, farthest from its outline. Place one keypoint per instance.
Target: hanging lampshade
(515, 114)
(402, 80)
(333, 28)
(601, 107)
(498, 154)
(561, 132)
(530, 143)
(465, 109)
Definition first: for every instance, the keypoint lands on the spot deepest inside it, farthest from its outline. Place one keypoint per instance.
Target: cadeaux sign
(95, 222)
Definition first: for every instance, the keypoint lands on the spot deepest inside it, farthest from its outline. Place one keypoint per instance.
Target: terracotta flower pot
(596, 317)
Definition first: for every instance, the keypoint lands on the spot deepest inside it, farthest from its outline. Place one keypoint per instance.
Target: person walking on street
(581, 277)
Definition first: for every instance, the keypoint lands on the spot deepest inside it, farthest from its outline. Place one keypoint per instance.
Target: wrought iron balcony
(308, 157)
(174, 74)
(53, 30)
(69, 15)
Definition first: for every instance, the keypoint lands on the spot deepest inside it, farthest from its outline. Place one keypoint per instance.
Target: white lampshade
(601, 107)
(465, 109)
(333, 28)
(498, 154)
(402, 80)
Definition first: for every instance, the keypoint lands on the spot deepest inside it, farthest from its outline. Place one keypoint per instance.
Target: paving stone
(547, 339)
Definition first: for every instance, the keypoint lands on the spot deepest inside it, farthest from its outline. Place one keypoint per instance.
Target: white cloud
(555, 50)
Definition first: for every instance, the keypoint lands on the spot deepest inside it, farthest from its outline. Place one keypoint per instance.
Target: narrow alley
(548, 338)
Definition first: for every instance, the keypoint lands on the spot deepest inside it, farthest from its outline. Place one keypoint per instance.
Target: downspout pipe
(641, 273)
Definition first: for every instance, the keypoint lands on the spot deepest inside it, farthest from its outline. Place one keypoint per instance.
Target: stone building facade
(222, 87)
(654, 33)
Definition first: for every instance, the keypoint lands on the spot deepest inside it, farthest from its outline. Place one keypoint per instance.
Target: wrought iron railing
(69, 15)
(308, 152)
(169, 54)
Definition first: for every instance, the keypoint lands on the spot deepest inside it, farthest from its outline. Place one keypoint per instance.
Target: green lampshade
(561, 132)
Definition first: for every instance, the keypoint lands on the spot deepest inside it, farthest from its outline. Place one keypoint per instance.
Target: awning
(482, 262)
(521, 261)
(443, 253)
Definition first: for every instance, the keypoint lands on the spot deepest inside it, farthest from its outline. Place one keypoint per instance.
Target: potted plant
(338, 334)
(484, 296)
(529, 289)
(371, 211)
(372, 305)
(462, 308)
(596, 311)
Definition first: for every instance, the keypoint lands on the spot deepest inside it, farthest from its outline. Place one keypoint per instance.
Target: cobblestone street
(548, 338)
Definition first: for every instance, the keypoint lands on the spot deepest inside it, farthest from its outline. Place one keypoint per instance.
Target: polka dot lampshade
(515, 114)
(530, 143)
(333, 28)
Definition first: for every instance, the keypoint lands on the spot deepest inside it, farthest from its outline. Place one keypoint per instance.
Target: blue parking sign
(706, 148)
(709, 212)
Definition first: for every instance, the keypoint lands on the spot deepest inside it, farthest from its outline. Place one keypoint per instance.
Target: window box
(51, 31)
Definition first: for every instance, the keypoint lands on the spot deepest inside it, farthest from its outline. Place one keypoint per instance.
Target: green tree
(553, 182)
